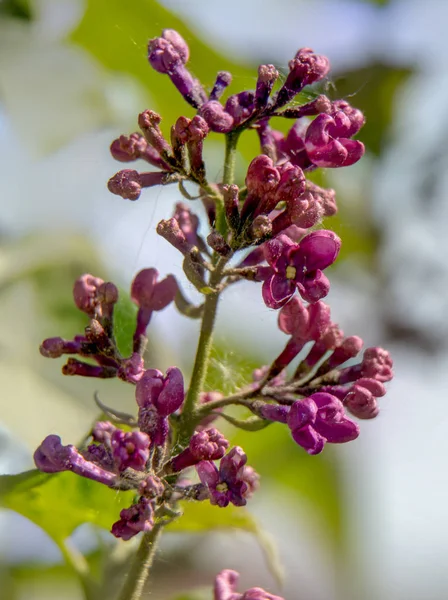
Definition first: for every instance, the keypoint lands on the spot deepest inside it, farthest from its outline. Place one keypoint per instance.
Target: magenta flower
(208, 444)
(376, 364)
(130, 449)
(52, 457)
(304, 69)
(225, 589)
(318, 419)
(158, 397)
(328, 142)
(150, 295)
(169, 54)
(229, 482)
(138, 517)
(298, 266)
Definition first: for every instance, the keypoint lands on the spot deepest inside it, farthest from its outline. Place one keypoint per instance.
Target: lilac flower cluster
(266, 231)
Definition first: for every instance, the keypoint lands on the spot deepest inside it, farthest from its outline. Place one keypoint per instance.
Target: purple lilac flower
(225, 588)
(150, 295)
(130, 449)
(129, 183)
(151, 487)
(94, 296)
(304, 324)
(208, 444)
(56, 346)
(216, 117)
(228, 483)
(52, 457)
(138, 517)
(313, 421)
(318, 419)
(134, 147)
(328, 143)
(131, 369)
(376, 364)
(158, 397)
(298, 266)
(169, 54)
(305, 68)
(223, 80)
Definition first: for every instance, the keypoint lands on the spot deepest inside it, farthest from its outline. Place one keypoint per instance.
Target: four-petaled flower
(229, 483)
(318, 419)
(298, 266)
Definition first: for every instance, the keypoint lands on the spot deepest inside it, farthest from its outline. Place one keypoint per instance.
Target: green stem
(230, 157)
(203, 350)
(141, 564)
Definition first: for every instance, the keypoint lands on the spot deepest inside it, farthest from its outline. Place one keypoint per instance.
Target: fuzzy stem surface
(141, 564)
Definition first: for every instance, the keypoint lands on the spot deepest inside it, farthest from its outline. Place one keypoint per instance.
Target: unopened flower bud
(56, 347)
(223, 79)
(139, 517)
(168, 51)
(267, 76)
(149, 122)
(261, 227)
(77, 367)
(231, 205)
(240, 107)
(218, 243)
(216, 117)
(53, 457)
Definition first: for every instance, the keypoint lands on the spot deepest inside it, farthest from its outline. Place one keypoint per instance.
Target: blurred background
(369, 520)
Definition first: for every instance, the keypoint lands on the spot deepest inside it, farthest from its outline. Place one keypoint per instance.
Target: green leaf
(202, 517)
(18, 9)
(61, 502)
(124, 323)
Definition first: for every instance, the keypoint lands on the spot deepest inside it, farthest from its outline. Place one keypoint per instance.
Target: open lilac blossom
(328, 144)
(228, 483)
(225, 588)
(208, 444)
(130, 449)
(52, 457)
(138, 517)
(298, 266)
(318, 419)
(131, 369)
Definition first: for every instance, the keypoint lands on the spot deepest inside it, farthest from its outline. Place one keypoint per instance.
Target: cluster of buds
(276, 217)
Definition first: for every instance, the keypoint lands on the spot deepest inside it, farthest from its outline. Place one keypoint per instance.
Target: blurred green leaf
(373, 90)
(61, 502)
(202, 517)
(18, 9)
(124, 323)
